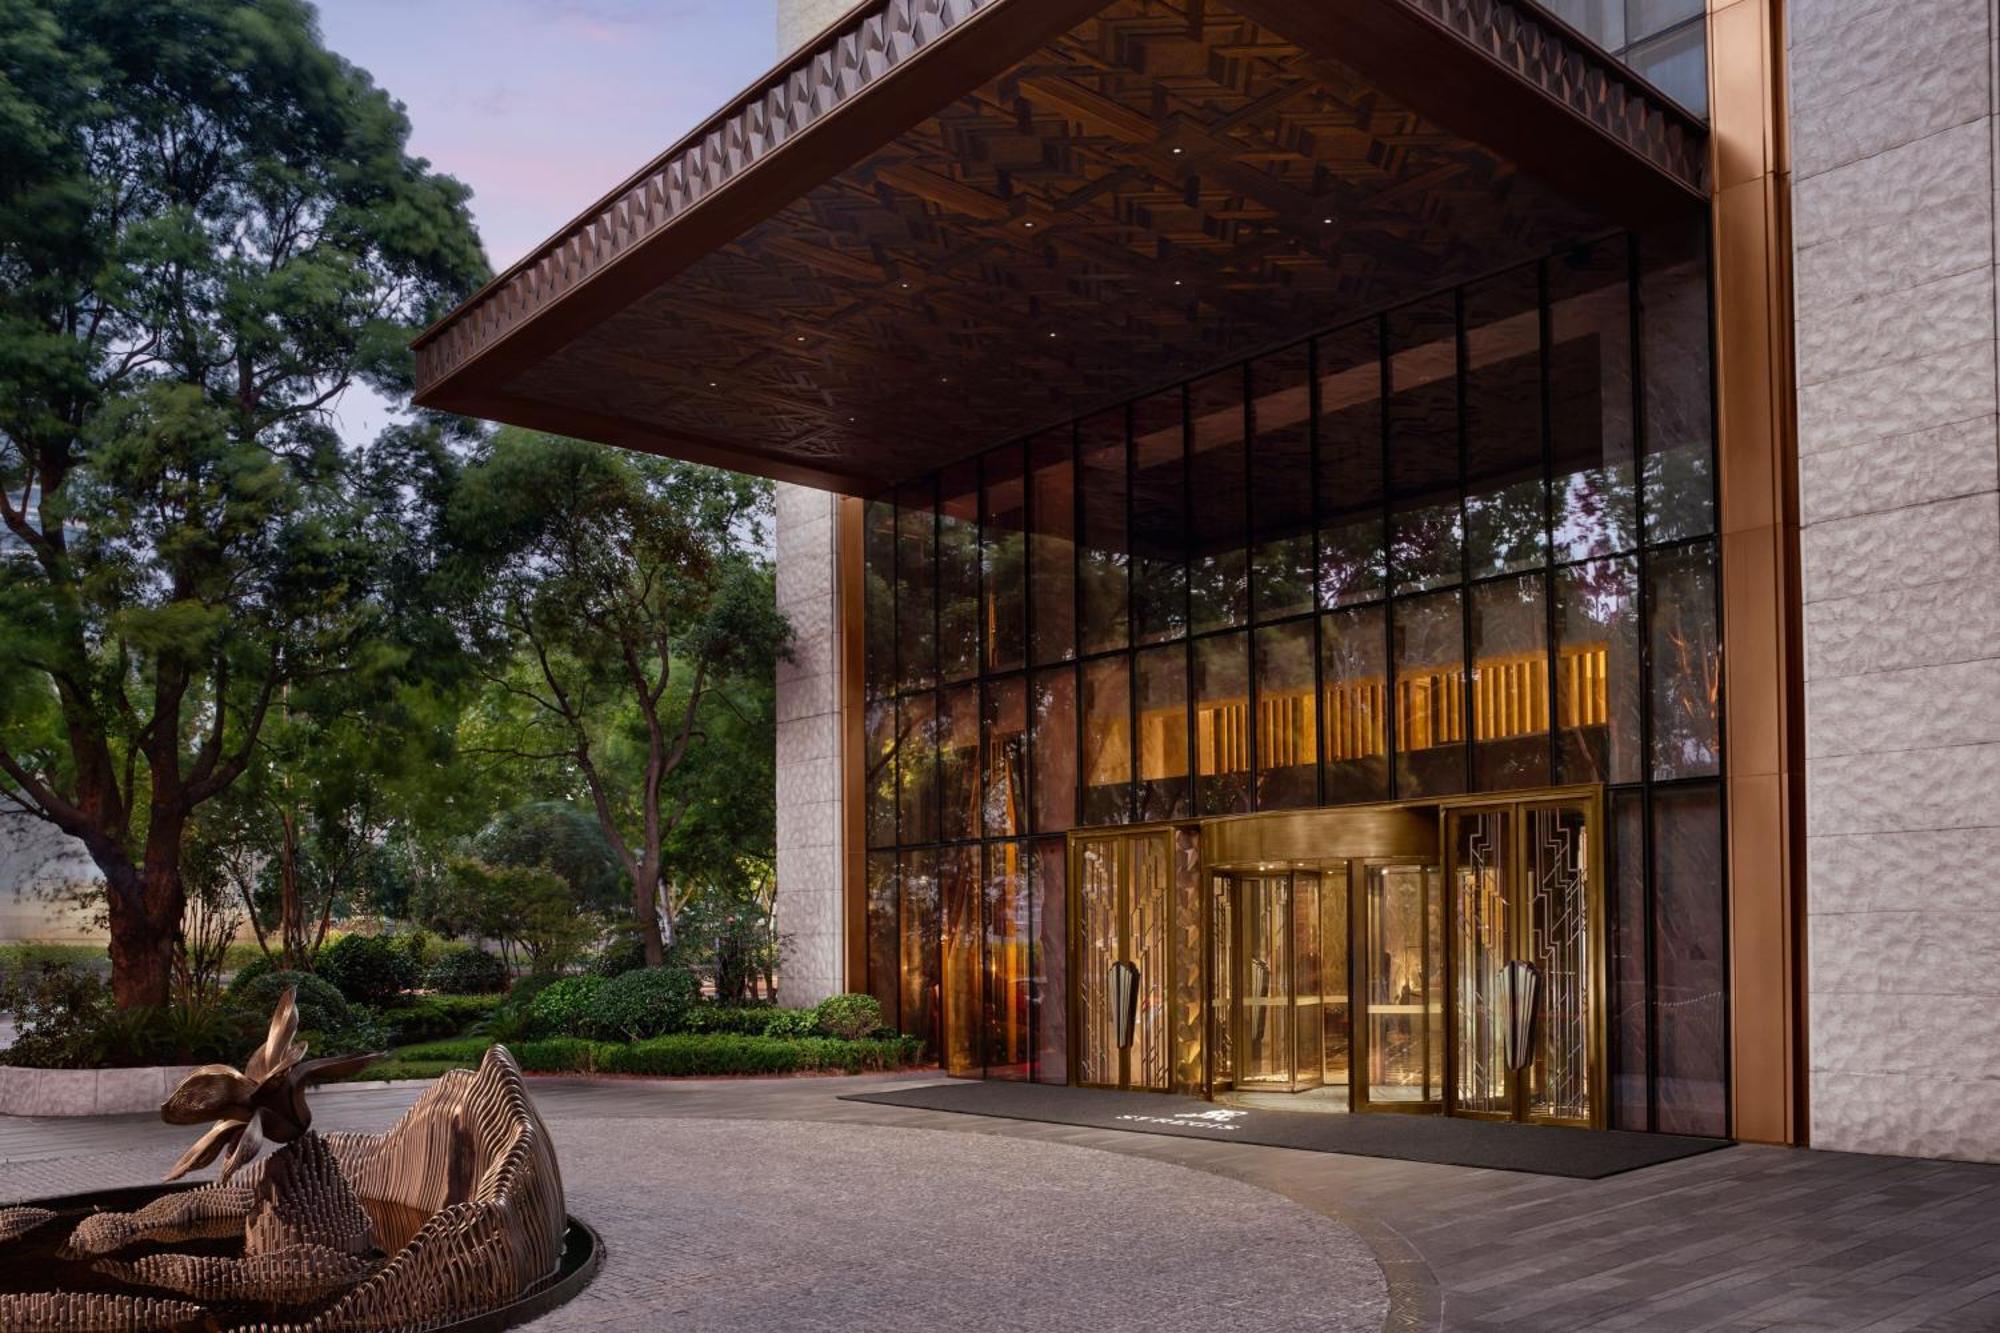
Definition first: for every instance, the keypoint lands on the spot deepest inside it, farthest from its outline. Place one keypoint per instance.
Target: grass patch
(15, 956)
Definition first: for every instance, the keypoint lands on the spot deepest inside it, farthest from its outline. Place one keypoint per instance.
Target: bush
(466, 970)
(566, 1008)
(419, 946)
(790, 1023)
(684, 1054)
(648, 1003)
(250, 971)
(367, 969)
(626, 953)
(321, 1007)
(433, 1017)
(849, 1017)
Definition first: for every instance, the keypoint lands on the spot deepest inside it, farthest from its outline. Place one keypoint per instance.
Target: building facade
(1397, 555)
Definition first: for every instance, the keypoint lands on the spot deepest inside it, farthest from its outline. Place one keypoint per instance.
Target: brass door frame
(1237, 880)
(1591, 801)
(1357, 964)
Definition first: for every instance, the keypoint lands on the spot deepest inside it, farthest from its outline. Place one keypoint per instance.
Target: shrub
(625, 953)
(250, 971)
(367, 969)
(419, 946)
(850, 1016)
(566, 1008)
(682, 1054)
(321, 1007)
(790, 1023)
(466, 970)
(647, 1003)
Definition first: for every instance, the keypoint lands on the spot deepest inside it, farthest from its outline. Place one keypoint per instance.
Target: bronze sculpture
(455, 1211)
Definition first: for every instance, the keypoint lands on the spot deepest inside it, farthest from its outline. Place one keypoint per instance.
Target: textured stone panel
(1897, 399)
(807, 696)
(1944, 1116)
(1938, 464)
(1911, 789)
(1882, 631)
(809, 782)
(1903, 548)
(1921, 954)
(1899, 188)
(1888, 78)
(815, 737)
(1932, 243)
(1872, 1038)
(1815, 20)
(1933, 870)
(1921, 708)
(1889, 327)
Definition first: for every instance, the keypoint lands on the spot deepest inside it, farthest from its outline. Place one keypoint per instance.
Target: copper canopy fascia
(1498, 72)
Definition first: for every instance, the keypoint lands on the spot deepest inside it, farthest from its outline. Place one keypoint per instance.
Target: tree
(631, 610)
(209, 230)
(528, 907)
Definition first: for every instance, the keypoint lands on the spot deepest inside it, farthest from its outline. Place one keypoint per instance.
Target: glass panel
(1287, 721)
(1335, 999)
(1676, 359)
(1430, 696)
(1603, 21)
(1652, 16)
(1107, 736)
(1098, 946)
(958, 764)
(916, 587)
(1506, 520)
(1687, 663)
(1557, 856)
(1003, 559)
(1053, 547)
(1355, 677)
(916, 777)
(1596, 503)
(961, 1047)
(1006, 731)
(1689, 962)
(1054, 735)
(1481, 915)
(1627, 940)
(1222, 724)
(1510, 684)
(1009, 943)
(1281, 477)
(1051, 961)
(1597, 671)
(879, 779)
(1163, 733)
(1425, 530)
(1308, 961)
(1677, 64)
(1265, 1051)
(919, 912)
(878, 545)
(1351, 558)
(958, 572)
(1159, 518)
(1188, 980)
(884, 938)
(1146, 945)
(1405, 997)
(1218, 572)
(1104, 565)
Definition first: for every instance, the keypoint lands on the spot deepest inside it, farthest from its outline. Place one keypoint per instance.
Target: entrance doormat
(1544, 1150)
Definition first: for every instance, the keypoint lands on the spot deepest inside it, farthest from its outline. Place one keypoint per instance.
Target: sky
(543, 105)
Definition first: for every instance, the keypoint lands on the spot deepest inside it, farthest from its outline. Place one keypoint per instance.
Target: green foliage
(210, 227)
(67, 1021)
(849, 1016)
(703, 1055)
(646, 1003)
(362, 1031)
(367, 969)
(525, 905)
(465, 969)
(321, 1007)
(625, 953)
(248, 972)
(566, 1008)
(563, 840)
(420, 946)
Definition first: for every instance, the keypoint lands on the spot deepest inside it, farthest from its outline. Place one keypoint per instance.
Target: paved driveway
(772, 1204)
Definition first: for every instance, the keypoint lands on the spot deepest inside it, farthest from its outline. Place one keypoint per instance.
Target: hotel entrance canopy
(949, 223)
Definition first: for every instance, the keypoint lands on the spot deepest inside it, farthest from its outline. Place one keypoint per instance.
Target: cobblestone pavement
(935, 1231)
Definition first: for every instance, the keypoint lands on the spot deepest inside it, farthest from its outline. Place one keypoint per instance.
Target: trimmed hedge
(367, 969)
(681, 1055)
(435, 1017)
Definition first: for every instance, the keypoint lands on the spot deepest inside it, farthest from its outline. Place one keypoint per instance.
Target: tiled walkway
(1747, 1239)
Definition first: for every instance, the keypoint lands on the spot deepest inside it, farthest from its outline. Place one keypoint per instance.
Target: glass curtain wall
(1664, 41)
(1464, 545)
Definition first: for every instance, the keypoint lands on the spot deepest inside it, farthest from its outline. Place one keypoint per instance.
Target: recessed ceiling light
(711, 384)
(1177, 282)
(802, 337)
(1326, 221)
(1179, 151)
(1029, 225)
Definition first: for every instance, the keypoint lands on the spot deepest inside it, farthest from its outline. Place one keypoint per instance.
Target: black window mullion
(1250, 691)
(1466, 667)
(1551, 652)
(1391, 684)
(1316, 635)
(1191, 699)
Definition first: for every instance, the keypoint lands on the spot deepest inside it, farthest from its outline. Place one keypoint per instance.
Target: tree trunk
(142, 949)
(646, 907)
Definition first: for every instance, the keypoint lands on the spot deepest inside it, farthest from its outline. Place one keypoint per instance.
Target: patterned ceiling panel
(1166, 186)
